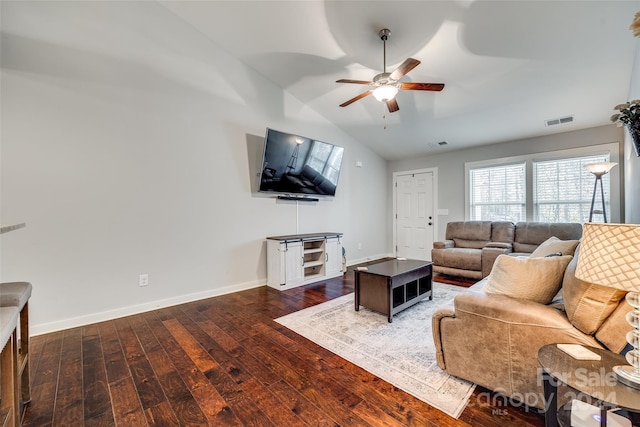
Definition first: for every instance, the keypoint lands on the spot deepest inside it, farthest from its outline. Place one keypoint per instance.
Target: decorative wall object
(629, 115)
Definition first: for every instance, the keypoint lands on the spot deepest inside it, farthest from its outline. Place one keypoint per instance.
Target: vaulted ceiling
(507, 66)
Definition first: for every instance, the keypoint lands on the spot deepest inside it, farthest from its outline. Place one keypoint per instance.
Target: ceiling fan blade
(408, 65)
(422, 86)
(352, 100)
(358, 82)
(392, 105)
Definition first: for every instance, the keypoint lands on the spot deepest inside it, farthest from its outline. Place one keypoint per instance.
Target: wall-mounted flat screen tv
(296, 165)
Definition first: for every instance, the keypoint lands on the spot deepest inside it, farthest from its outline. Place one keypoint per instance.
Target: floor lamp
(599, 169)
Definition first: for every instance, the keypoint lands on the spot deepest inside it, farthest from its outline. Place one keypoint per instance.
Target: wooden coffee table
(391, 286)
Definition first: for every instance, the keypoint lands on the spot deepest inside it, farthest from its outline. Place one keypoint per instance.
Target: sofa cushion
(529, 235)
(614, 329)
(554, 245)
(458, 258)
(587, 305)
(502, 231)
(533, 279)
(469, 230)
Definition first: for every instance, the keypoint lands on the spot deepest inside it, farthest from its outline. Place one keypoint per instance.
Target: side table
(590, 378)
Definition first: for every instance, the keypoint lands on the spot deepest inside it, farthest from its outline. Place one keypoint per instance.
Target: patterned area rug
(402, 353)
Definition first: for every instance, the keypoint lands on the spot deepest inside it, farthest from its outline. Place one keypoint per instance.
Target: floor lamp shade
(610, 256)
(598, 169)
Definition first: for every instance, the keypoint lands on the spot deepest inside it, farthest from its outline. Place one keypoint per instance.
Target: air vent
(559, 121)
(443, 143)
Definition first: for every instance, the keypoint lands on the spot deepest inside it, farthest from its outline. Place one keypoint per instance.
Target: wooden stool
(9, 389)
(17, 294)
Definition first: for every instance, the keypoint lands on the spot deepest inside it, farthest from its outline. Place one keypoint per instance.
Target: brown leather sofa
(493, 340)
(471, 247)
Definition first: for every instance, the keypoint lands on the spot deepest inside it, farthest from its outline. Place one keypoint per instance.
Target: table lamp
(610, 256)
(598, 169)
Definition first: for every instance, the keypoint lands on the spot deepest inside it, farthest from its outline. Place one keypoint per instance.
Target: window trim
(611, 148)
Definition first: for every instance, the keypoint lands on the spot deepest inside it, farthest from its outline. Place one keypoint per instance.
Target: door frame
(394, 217)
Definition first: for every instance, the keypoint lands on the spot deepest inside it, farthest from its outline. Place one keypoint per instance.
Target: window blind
(498, 193)
(563, 189)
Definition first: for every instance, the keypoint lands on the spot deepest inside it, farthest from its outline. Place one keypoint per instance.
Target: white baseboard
(75, 322)
(368, 259)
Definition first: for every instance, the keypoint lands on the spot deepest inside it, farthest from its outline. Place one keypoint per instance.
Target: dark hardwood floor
(224, 361)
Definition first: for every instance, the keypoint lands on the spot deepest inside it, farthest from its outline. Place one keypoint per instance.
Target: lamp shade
(385, 93)
(610, 256)
(599, 168)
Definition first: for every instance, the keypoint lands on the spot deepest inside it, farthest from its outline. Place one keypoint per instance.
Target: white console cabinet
(300, 259)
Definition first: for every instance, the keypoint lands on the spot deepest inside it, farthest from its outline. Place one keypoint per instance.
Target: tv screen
(293, 164)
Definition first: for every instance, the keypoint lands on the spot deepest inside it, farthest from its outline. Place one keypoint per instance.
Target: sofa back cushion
(529, 235)
(587, 305)
(469, 234)
(503, 231)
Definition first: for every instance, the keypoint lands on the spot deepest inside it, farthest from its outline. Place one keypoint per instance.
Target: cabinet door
(294, 259)
(333, 254)
(276, 276)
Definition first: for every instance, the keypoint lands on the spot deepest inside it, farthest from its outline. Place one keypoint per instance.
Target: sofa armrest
(446, 244)
(493, 341)
(490, 253)
(446, 311)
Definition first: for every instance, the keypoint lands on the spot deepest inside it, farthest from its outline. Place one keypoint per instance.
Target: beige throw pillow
(554, 245)
(588, 305)
(533, 279)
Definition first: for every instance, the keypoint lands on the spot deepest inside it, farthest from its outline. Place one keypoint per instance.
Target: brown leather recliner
(493, 340)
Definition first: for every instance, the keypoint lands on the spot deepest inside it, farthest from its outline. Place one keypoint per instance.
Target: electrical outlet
(359, 246)
(143, 280)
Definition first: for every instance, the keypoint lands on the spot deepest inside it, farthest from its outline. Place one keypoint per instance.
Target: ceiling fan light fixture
(385, 93)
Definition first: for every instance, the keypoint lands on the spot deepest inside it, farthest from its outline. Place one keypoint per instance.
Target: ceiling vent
(559, 121)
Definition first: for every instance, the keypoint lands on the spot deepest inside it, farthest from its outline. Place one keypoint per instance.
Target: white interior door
(414, 215)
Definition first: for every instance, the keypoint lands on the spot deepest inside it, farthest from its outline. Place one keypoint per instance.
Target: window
(564, 188)
(498, 193)
(546, 187)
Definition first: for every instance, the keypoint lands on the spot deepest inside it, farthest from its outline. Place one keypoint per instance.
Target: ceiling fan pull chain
(384, 118)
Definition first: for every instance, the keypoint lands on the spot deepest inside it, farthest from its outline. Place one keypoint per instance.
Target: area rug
(401, 353)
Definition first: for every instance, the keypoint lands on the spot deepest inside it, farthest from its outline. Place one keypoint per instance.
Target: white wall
(451, 176)
(130, 144)
(632, 162)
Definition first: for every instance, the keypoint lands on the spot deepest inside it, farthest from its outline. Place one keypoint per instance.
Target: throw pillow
(553, 245)
(588, 305)
(533, 279)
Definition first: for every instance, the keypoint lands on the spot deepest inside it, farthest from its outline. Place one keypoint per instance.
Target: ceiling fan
(386, 85)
